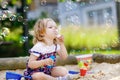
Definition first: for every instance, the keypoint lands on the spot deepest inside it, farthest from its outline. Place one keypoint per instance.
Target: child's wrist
(43, 62)
(61, 44)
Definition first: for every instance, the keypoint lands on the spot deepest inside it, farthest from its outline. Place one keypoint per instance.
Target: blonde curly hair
(40, 30)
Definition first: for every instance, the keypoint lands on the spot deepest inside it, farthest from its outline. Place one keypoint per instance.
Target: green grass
(90, 38)
(93, 52)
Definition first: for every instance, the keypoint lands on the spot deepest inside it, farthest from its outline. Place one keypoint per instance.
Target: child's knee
(38, 76)
(64, 71)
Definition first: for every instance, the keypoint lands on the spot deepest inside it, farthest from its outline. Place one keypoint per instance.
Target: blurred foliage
(44, 15)
(78, 40)
(15, 38)
(90, 38)
(14, 2)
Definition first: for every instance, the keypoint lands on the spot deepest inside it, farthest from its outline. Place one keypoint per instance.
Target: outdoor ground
(102, 71)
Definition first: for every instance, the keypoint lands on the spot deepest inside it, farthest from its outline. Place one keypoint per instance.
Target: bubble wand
(58, 31)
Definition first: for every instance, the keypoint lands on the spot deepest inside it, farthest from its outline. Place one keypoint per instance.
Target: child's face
(51, 29)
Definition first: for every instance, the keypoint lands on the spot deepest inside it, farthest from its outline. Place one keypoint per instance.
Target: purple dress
(44, 69)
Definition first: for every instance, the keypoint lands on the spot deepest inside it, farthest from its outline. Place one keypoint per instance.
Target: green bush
(16, 38)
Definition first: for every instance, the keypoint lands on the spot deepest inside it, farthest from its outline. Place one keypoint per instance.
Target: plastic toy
(76, 72)
(53, 58)
(84, 66)
(15, 76)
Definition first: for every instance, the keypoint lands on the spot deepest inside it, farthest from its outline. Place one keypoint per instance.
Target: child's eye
(50, 27)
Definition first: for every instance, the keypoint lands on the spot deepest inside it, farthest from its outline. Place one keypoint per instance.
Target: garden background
(89, 34)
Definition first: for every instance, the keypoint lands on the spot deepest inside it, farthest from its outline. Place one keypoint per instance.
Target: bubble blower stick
(53, 58)
(58, 30)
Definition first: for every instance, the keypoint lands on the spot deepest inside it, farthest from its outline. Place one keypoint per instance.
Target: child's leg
(42, 76)
(59, 71)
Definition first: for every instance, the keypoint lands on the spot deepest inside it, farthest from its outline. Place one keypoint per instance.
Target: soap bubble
(43, 2)
(9, 13)
(82, 4)
(4, 4)
(4, 16)
(69, 5)
(92, 1)
(12, 18)
(26, 8)
(5, 31)
(25, 21)
(109, 22)
(55, 12)
(20, 18)
(23, 39)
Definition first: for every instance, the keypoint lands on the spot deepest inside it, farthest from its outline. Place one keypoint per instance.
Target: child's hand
(49, 61)
(60, 39)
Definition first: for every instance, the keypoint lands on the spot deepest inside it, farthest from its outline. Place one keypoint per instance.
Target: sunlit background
(89, 26)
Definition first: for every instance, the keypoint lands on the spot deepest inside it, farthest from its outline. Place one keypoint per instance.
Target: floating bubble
(109, 22)
(92, 1)
(115, 43)
(106, 15)
(43, 2)
(70, 5)
(4, 16)
(5, 31)
(12, 18)
(31, 32)
(55, 12)
(25, 22)
(20, 19)
(23, 39)
(4, 4)
(9, 13)
(104, 46)
(82, 4)
(26, 8)
(5, 12)
(92, 13)
(74, 19)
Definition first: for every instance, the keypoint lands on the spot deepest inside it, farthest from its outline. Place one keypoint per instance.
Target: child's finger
(50, 61)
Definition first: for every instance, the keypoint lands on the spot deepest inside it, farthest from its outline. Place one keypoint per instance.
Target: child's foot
(61, 78)
(64, 78)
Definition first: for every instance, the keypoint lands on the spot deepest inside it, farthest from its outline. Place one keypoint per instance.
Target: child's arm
(34, 63)
(62, 52)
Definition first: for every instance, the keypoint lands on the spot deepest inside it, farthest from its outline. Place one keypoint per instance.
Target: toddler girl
(41, 63)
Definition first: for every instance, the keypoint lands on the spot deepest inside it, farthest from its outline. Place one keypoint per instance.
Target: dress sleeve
(35, 50)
